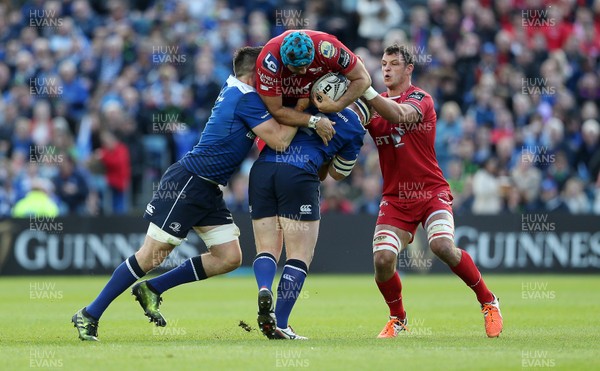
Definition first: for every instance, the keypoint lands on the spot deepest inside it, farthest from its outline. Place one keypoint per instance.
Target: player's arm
(392, 111)
(291, 117)
(302, 104)
(257, 118)
(360, 80)
(324, 170)
(275, 135)
(340, 168)
(344, 160)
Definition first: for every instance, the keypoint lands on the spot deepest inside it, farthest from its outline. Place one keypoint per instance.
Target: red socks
(392, 293)
(468, 272)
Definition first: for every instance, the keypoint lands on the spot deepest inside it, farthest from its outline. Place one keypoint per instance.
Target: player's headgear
(297, 49)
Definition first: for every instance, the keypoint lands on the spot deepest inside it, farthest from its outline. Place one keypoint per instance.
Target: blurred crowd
(99, 97)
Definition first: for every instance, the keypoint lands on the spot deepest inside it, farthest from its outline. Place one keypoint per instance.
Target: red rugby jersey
(406, 151)
(273, 78)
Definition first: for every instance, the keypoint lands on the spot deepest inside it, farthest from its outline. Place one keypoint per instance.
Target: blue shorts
(284, 190)
(183, 200)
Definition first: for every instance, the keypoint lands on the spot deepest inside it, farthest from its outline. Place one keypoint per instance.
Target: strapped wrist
(312, 122)
(370, 93)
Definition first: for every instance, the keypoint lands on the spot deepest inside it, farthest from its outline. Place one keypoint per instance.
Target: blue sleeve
(252, 111)
(351, 148)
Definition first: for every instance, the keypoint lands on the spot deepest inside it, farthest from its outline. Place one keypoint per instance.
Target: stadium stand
(516, 83)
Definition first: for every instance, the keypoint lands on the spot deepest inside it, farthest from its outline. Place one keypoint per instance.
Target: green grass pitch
(550, 321)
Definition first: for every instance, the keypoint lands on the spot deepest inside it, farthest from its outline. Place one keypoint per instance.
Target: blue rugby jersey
(307, 150)
(227, 137)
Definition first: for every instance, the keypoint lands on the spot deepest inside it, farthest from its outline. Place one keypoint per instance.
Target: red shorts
(408, 214)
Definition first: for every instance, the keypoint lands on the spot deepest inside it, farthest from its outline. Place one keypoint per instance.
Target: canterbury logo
(149, 209)
(288, 277)
(306, 209)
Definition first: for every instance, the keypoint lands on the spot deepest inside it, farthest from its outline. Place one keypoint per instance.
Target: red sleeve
(421, 101)
(268, 71)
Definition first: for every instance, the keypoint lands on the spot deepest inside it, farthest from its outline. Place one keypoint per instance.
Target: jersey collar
(401, 95)
(232, 81)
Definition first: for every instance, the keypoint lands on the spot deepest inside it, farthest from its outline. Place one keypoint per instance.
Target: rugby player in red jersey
(291, 62)
(414, 191)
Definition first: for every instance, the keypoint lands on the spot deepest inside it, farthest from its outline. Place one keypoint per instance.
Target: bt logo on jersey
(394, 139)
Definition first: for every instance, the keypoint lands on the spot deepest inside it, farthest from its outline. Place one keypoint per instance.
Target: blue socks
(189, 271)
(124, 276)
(290, 285)
(265, 267)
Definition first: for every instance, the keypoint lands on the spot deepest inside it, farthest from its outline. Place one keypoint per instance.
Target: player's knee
(440, 235)
(384, 260)
(441, 247)
(152, 254)
(233, 260)
(228, 256)
(386, 246)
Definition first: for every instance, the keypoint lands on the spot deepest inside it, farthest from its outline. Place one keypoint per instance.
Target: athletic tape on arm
(343, 167)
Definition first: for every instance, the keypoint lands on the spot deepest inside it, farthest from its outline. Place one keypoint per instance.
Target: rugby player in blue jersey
(237, 117)
(284, 204)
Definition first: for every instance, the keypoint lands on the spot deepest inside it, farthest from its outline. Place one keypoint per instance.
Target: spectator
(377, 17)
(526, 177)
(448, 133)
(335, 200)
(74, 91)
(456, 177)
(84, 17)
(368, 202)
(21, 139)
(114, 156)
(549, 200)
(514, 202)
(575, 197)
(486, 189)
(477, 54)
(112, 59)
(37, 203)
(204, 86)
(41, 124)
(559, 170)
(586, 158)
(237, 198)
(71, 186)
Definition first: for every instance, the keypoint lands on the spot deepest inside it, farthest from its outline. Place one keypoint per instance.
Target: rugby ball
(333, 84)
